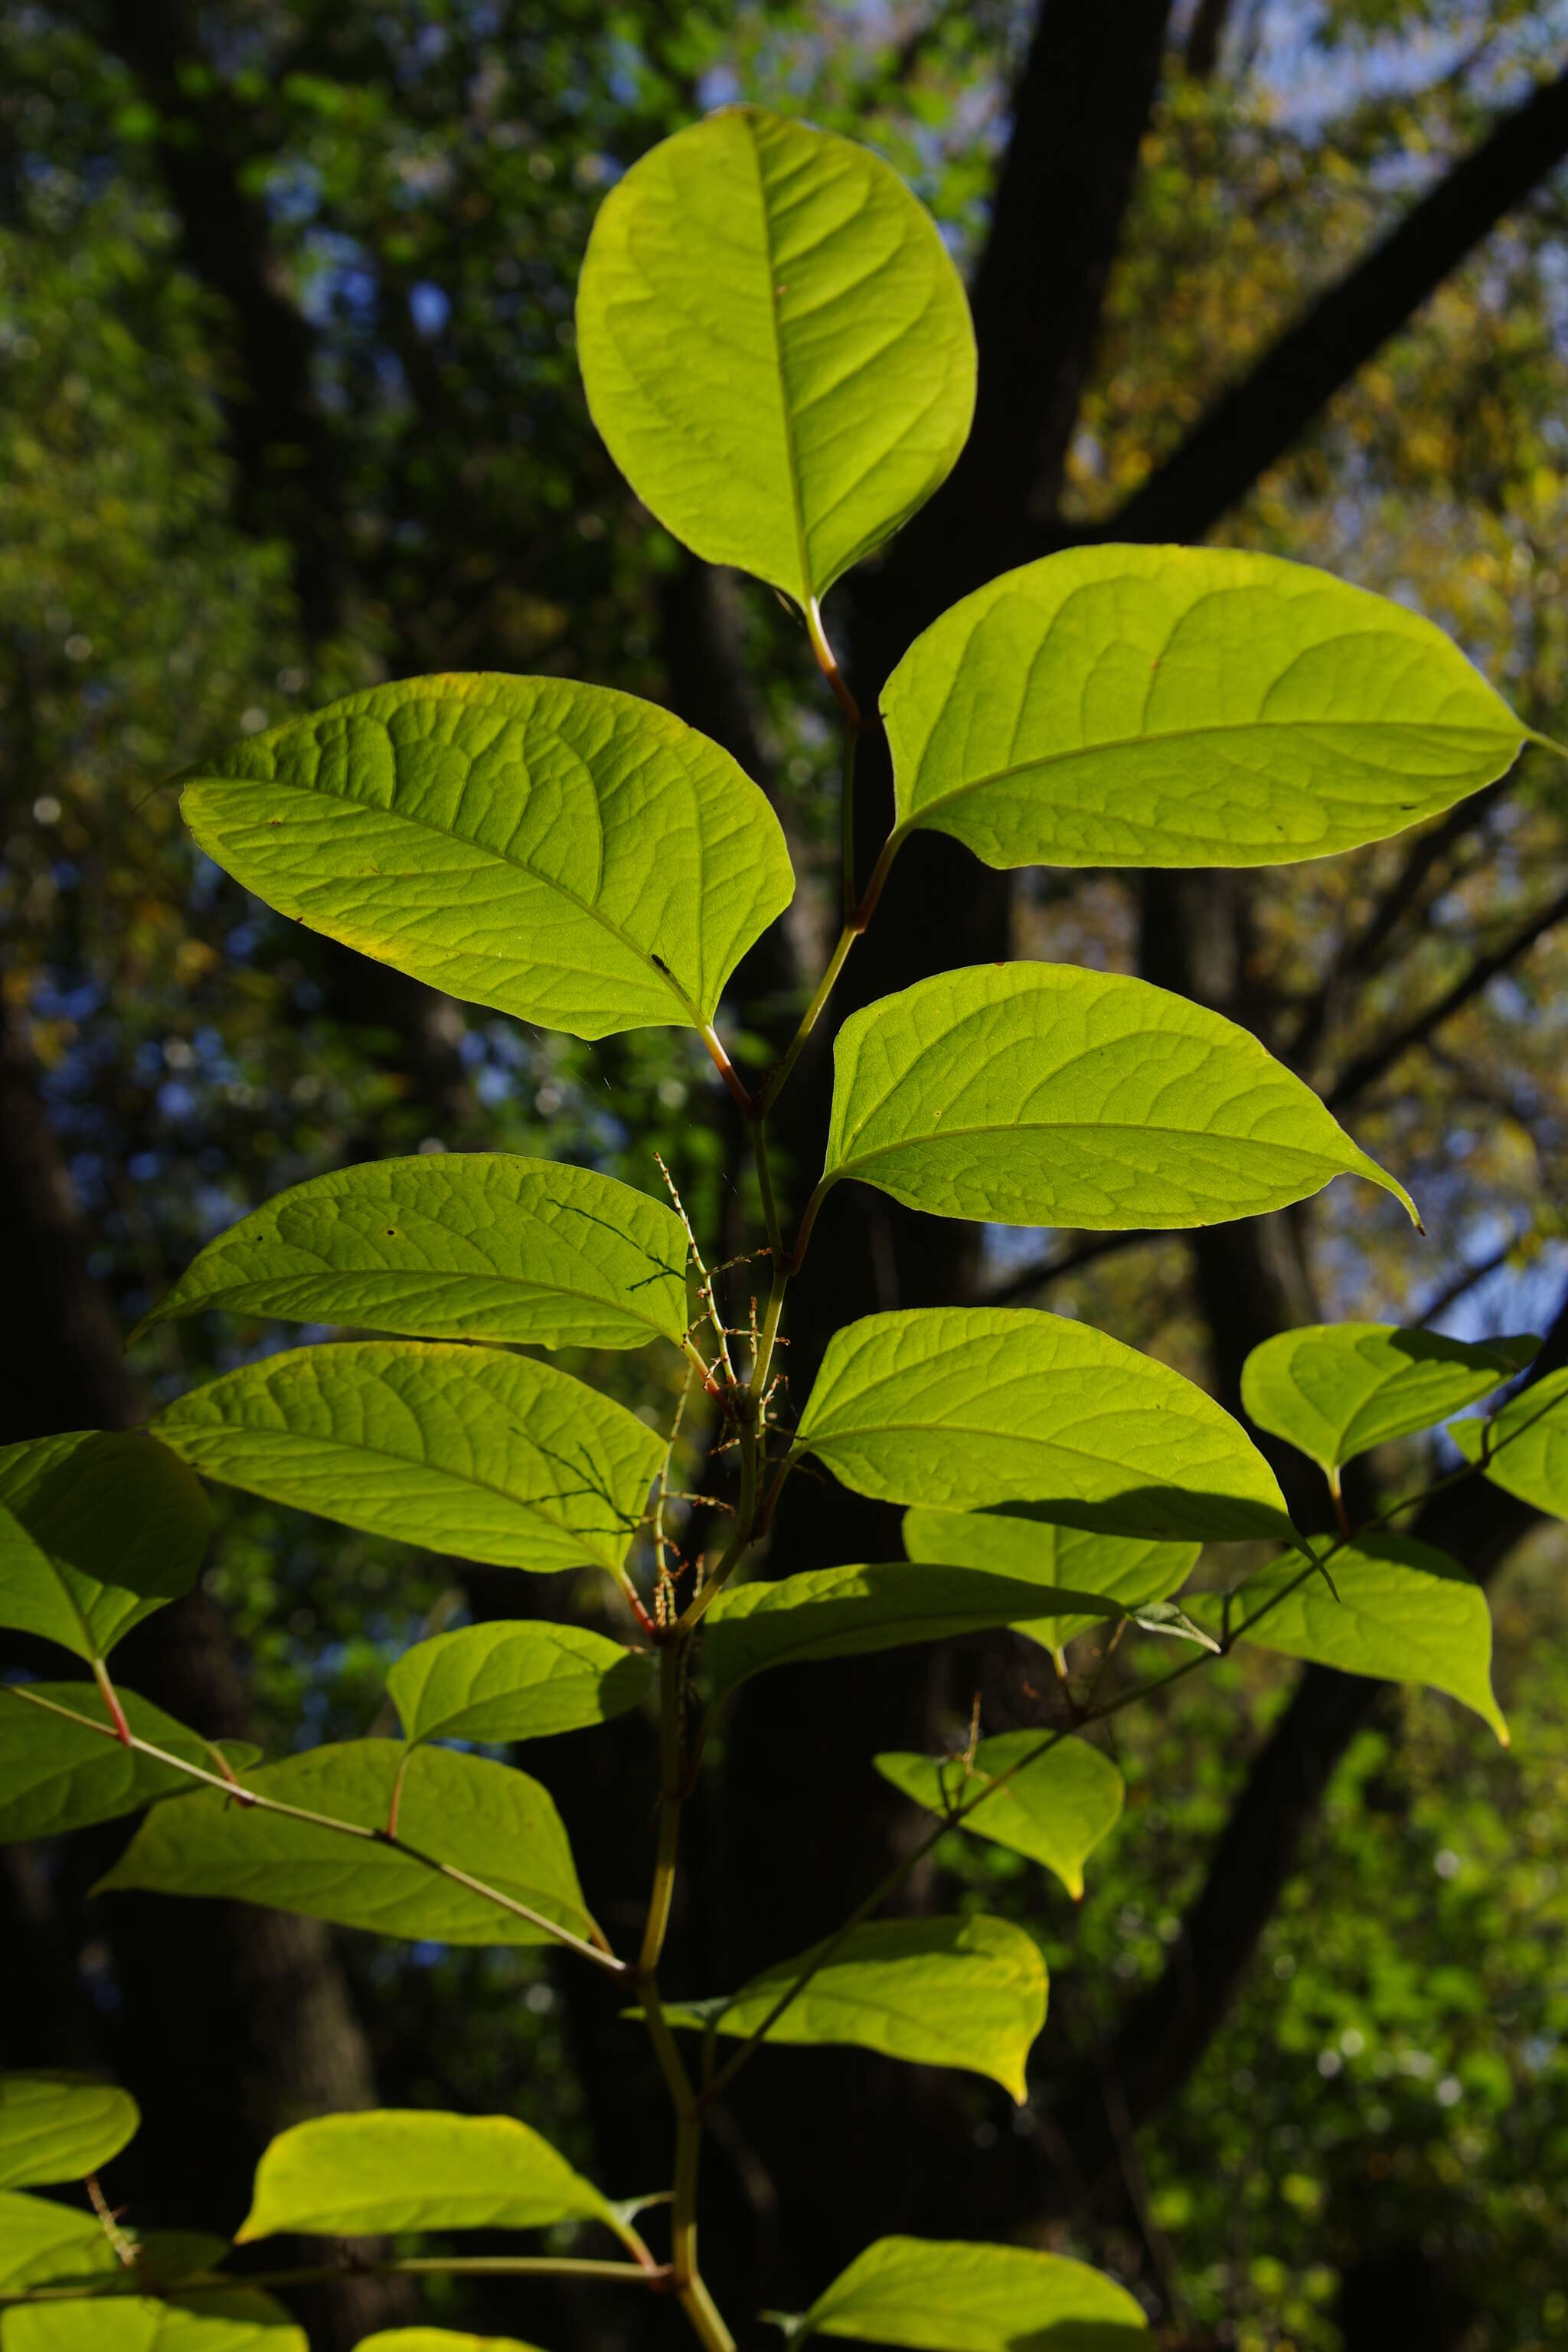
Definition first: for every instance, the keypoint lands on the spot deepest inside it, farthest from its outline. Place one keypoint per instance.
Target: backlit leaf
(483, 1819)
(1405, 1613)
(960, 1407)
(233, 2319)
(1524, 1448)
(436, 2339)
(1035, 1094)
(939, 1992)
(55, 2127)
(465, 1450)
(966, 2297)
(497, 1682)
(391, 2170)
(42, 2241)
(1055, 1808)
(98, 1529)
(1181, 706)
(561, 852)
(453, 1246)
(1127, 1570)
(774, 346)
(1335, 1390)
(59, 1774)
(842, 1612)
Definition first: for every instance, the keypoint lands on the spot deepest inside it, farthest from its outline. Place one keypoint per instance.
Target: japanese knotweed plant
(777, 351)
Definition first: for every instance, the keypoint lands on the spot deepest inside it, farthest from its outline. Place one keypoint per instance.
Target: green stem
(758, 1126)
(671, 1662)
(704, 2314)
(827, 663)
(808, 1018)
(725, 1067)
(847, 820)
(642, 2273)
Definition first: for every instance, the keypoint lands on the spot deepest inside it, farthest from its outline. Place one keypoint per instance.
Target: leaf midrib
(1062, 1128)
(1171, 735)
(792, 455)
(408, 1461)
(515, 864)
(232, 1291)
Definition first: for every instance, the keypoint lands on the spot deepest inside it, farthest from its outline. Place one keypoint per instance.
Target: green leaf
(965, 1406)
(465, 1450)
(1056, 1809)
(1128, 1571)
(516, 1682)
(1035, 1094)
(98, 1529)
(1180, 706)
(42, 2242)
(939, 1992)
(57, 2128)
(1335, 1390)
(58, 1774)
(1523, 1449)
(964, 2297)
(483, 1819)
(239, 2319)
(774, 346)
(453, 1246)
(563, 852)
(1405, 1613)
(364, 2175)
(843, 1613)
(436, 2339)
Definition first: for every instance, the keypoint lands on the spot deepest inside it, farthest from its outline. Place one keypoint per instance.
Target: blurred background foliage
(252, 457)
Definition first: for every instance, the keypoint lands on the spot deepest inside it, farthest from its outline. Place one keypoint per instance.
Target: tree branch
(1252, 427)
(1367, 1067)
(1040, 1271)
(1361, 952)
(1079, 112)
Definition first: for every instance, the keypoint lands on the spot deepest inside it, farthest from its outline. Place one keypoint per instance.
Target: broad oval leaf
(1335, 1390)
(438, 2339)
(1183, 706)
(55, 2127)
(1523, 1449)
(561, 852)
(233, 2319)
(390, 2169)
(1035, 1094)
(774, 346)
(1405, 1613)
(465, 1450)
(98, 1529)
(939, 1992)
(843, 1613)
(453, 1246)
(497, 1682)
(1127, 1571)
(968, 2298)
(62, 1771)
(482, 1819)
(1055, 1808)
(961, 1407)
(43, 2243)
